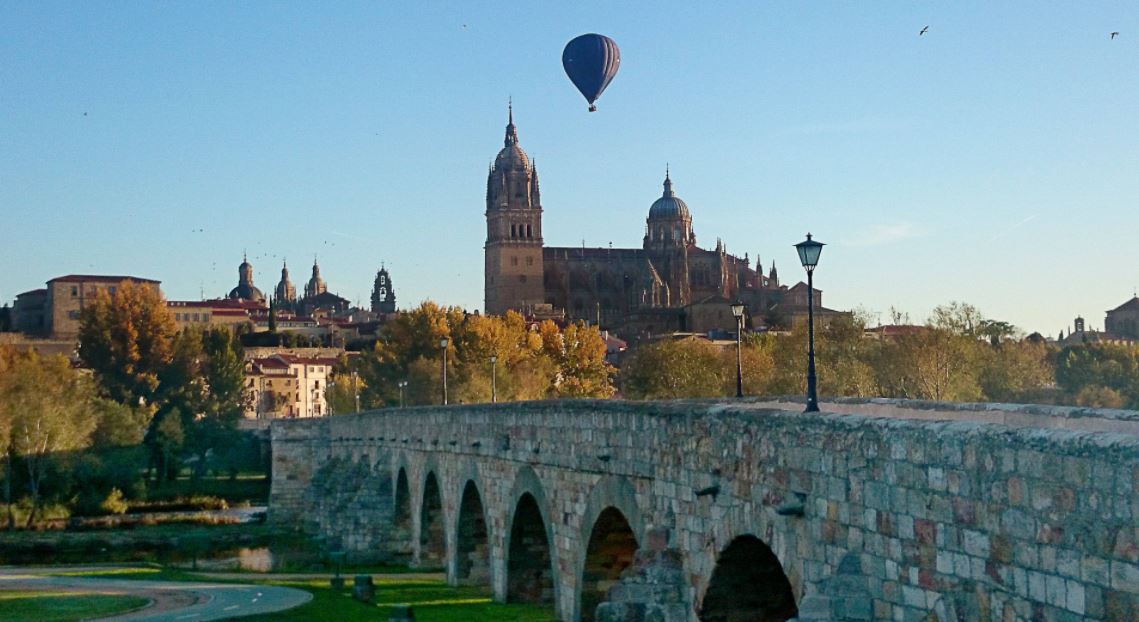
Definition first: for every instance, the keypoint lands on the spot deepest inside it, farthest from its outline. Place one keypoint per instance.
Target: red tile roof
(95, 278)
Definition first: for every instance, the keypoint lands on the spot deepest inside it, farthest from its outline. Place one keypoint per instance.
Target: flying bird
(1114, 34)
(923, 31)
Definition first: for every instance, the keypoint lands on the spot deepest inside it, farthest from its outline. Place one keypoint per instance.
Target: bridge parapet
(945, 513)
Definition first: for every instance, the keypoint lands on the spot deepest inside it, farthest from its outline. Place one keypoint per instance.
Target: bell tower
(514, 272)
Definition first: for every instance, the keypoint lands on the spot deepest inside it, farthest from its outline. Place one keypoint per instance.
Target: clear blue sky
(994, 160)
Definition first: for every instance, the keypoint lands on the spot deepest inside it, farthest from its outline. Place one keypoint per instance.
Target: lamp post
(401, 384)
(493, 378)
(443, 345)
(738, 312)
(809, 251)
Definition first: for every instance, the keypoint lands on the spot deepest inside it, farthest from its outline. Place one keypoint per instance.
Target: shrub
(115, 503)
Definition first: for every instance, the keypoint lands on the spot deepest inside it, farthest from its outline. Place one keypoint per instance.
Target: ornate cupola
(669, 223)
(315, 285)
(245, 289)
(285, 292)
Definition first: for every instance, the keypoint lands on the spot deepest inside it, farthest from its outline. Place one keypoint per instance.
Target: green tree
(1087, 369)
(127, 341)
(46, 408)
(119, 425)
(673, 369)
(1012, 371)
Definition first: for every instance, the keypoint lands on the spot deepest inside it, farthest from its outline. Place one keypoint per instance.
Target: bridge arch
(748, 583)
(611, 529)
(472, 542)
(401, 516)
(432, 534)
(531, 559)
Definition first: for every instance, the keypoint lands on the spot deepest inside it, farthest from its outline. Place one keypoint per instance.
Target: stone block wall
(947, 519)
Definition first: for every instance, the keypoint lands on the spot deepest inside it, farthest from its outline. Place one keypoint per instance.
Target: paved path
(171, 601)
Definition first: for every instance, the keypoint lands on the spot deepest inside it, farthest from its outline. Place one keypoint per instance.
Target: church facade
(670, 284)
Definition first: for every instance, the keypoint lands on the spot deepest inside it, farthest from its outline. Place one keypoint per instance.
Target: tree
(343, 386)
(1087, 369)
(46, 408)
(672, 369)
(1012, 371)
(578, 353)
(127, 340)
(272, 315)
(532, 363)
(119, 425)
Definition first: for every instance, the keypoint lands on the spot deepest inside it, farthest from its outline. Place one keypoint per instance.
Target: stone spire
(511, 131)
(285, 291)
(316, 285)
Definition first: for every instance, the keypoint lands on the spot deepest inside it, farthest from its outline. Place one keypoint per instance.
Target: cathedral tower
(513, 230)
(315, 285)
(383, 296)
(285, 291)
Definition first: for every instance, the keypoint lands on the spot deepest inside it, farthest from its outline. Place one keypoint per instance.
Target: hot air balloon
(591, 61)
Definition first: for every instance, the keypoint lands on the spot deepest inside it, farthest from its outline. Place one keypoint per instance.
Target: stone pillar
(653, 588)
(844, 597)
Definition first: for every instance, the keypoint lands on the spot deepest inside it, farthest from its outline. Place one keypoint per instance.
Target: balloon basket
(593, 108)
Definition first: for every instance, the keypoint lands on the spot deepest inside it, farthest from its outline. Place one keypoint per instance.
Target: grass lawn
(434, 601)
(63, 606)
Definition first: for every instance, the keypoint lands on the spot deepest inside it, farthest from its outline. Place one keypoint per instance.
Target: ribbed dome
(246, 291)
(669, 206)
(512, 157)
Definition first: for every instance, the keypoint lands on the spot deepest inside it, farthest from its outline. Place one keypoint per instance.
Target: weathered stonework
(949, 519)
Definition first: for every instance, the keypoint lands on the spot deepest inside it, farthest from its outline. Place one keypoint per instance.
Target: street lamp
(443, 345)
(738, 312)
(402, 384)
(493, 378)
(809, 251)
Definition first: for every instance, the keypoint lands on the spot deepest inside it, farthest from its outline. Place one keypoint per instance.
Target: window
(529, 233)
(195, 317)
(74, 291)
(111, 290)
(73, 315)
(514, 261)
(529, 261)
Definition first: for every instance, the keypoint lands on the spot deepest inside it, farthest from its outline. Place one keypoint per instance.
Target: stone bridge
(737, 510)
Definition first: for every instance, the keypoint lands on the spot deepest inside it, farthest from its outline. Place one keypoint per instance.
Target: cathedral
(316, 299)
(670, 284)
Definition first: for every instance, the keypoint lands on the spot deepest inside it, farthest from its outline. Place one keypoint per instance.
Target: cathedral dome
(669, 206)
(512, 158)
(246, 291)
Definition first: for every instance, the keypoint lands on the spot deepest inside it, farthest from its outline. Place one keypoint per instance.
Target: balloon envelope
(591, 61)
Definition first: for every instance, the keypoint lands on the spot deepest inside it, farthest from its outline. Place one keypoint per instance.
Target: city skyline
(989, 160)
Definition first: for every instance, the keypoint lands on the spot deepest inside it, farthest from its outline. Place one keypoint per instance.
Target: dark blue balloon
(591, 61)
